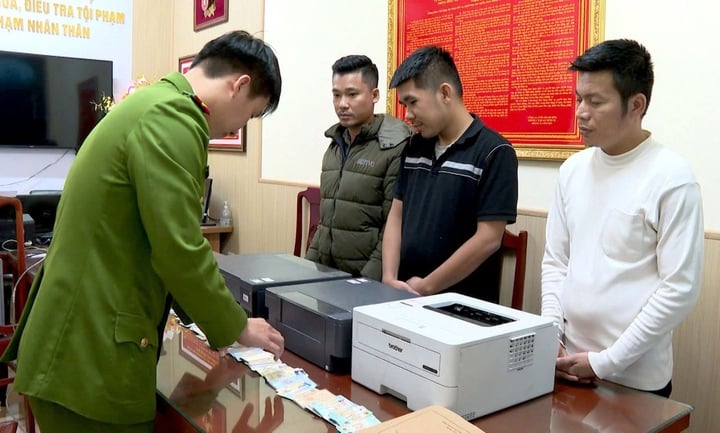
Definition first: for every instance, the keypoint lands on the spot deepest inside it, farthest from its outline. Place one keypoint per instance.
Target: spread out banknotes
(294, 384)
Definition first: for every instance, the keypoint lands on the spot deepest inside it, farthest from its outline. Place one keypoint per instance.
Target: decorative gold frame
(184, 63)
(233, 141)
(532, 152)
(207, 13)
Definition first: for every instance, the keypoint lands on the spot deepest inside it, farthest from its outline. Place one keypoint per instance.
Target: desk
(197, 389)
(217, 236)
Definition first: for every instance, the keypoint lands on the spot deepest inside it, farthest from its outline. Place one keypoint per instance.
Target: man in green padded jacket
(127, 243)
(358, 172)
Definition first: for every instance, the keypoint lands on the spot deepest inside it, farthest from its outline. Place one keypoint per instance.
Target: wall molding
(541, 213)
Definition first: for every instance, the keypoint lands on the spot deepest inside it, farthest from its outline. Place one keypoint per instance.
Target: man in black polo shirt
(456, 190)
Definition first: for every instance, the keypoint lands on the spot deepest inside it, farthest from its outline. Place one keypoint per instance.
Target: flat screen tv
(47, 101)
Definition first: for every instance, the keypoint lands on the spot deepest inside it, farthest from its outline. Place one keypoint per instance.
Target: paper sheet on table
(432, 419)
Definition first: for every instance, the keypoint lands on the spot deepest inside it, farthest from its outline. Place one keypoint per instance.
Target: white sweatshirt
(623, 259)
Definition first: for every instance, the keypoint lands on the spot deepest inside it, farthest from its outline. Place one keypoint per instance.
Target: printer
(8, 227)
(316, 318)
(248, 275)
(468, 355)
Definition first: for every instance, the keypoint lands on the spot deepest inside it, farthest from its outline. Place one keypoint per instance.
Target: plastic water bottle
(226, 215)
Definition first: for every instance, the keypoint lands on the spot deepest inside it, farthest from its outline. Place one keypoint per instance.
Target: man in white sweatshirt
(623, 255)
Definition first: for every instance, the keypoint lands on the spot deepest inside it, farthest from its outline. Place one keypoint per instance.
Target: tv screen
(48, 101)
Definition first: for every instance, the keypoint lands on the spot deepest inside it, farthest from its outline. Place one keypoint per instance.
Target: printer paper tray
(402, 350)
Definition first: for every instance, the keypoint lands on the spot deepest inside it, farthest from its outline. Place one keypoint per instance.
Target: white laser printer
(468, 355)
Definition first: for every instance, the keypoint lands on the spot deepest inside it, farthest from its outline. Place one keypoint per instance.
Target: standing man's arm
(166, 180)
(312, 251)
(496, 205)
(471, 254)
(554, 270)
(680, 237)
(555, 261)
(391, 247)
(679, 259)
(373, 268)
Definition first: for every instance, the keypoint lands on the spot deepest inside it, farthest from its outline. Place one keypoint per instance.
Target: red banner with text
(513, 59)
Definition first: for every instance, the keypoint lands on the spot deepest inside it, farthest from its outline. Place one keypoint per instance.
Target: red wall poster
(512, 56)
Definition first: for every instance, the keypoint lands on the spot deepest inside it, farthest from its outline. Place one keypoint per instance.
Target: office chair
(312, 195)
(517, 245)
(8, 426)
(14, 263)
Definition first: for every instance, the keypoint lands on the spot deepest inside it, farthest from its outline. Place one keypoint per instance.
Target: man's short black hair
(629, 62)
(429, 66)
(357, 63)
(238, 51)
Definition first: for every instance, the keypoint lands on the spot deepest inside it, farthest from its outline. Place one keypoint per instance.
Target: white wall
(309, 36)
(110, 38)
(683, 111)
(24, 170)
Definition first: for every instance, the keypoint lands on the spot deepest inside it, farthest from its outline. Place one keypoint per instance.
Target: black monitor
(49, 101)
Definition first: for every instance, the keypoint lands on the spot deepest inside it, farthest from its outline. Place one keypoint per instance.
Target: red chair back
(517, 245)
(312, 196)
(15, 263)
(8, 426)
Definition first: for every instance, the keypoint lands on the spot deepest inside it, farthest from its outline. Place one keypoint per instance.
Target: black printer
(39, 211)
(248, 275)
(8, 228)
(316, 318)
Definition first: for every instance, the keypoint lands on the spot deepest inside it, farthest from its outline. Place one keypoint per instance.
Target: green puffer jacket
(356, 196)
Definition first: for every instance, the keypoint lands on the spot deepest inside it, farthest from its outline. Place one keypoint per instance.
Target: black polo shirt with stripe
(444, 198)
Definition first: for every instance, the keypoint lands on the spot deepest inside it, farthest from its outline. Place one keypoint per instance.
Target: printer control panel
(470, 314)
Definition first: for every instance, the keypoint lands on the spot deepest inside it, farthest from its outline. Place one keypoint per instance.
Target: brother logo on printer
(395, 347)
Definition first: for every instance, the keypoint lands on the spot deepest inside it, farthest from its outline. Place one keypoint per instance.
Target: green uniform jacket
(356, 195)
(127, 236)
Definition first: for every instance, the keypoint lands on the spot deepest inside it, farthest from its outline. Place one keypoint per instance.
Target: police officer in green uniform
(127, 244)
